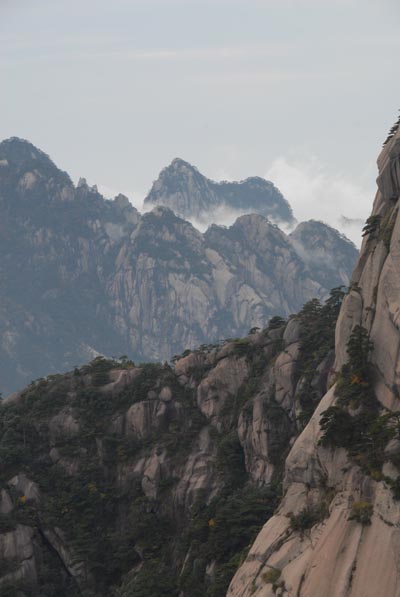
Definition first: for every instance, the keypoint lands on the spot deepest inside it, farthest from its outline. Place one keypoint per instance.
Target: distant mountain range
(181, 187)
(81, 275)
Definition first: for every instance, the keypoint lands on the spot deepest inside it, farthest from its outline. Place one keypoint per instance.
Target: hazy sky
(301, 91)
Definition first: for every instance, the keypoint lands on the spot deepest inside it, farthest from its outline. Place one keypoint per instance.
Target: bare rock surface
(338, 556)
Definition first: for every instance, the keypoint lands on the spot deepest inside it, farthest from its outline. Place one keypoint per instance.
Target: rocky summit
(191, 195)
(81, 276)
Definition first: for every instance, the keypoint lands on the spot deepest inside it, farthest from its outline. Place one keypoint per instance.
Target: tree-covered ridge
(112, 530)
(392, 132)
(317, 342)
(143, 480)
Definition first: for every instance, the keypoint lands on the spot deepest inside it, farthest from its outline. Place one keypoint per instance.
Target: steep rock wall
(340, 553)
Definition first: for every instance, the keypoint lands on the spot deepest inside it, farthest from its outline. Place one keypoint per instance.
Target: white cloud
(312, 191)
(222, 215)
(315, 193)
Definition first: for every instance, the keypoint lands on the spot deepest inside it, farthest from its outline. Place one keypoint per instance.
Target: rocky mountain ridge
(82, 276)
(182, 188)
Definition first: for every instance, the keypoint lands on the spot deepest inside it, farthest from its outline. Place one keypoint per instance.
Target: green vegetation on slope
(99, 526)
(357, 421)
(317, 341)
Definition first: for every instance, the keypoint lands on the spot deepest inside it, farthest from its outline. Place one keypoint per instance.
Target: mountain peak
(28, 164)
(192, 195)
(180, 163)
(20, 151)
(258, 180)
(311, 230)
(178, 169)
(323, 247)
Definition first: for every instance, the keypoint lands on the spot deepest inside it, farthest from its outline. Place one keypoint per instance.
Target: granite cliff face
(82, 276)
(182, 188)
(154, 480)
(336, 532)
(323, 250)
(174, 469)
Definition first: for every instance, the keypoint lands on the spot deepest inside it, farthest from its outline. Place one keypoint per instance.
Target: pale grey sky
(303, 91)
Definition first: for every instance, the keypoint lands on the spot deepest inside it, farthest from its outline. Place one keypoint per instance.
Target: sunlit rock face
(82, 276)
(351, 550)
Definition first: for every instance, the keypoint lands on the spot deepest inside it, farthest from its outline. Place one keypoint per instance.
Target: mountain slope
(324, 250)
(336, 531)
(154, 480)
(81, 276)
(57, 245)
(182, 188)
